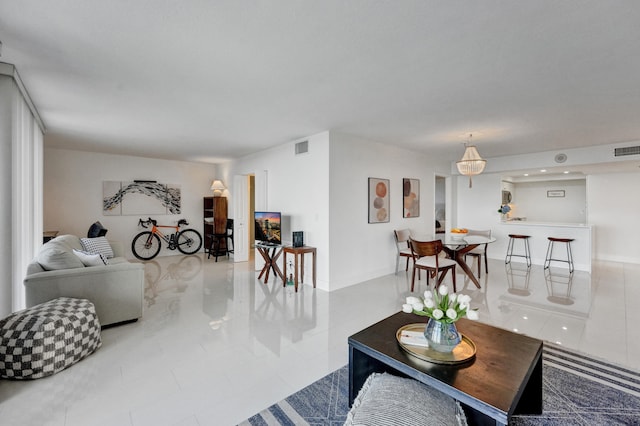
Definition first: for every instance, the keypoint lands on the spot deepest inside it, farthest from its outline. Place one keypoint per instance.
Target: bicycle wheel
(189, 241)
(145, 245)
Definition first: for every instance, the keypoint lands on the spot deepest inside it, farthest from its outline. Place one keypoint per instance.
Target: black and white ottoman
(47, 338)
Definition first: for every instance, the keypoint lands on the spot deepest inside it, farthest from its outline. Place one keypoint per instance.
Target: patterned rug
(578, 390)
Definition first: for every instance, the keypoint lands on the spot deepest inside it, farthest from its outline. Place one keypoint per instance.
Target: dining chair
(479, 251)
(230, 236)
(426, 255)
(402, 246)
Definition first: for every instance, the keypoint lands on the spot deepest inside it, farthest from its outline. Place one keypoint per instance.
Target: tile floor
(216, 346)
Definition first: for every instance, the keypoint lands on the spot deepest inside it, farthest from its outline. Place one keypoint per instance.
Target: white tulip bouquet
(441, 306)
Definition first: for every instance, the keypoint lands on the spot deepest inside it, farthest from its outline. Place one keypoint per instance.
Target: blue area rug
(578, 390)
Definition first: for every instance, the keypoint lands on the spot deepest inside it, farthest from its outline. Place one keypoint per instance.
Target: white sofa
(116, 289)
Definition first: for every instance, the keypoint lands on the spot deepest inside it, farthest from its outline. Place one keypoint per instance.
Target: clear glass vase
(442, 337)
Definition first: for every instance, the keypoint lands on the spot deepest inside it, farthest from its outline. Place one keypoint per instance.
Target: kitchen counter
(549, 224)
(539, 231)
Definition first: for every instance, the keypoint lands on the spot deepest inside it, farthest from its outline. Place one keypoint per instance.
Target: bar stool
(527, 252)
(549, 257)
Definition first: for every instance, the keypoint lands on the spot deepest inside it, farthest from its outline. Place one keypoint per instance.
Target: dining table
(456, 246)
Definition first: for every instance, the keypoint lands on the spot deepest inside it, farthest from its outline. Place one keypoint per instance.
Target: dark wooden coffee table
(503, 379)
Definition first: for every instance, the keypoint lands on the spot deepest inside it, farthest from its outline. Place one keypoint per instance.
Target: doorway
(252, 209)
(440, 204)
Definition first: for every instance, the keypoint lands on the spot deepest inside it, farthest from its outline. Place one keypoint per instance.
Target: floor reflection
(176, 277)
(278, 312)
(479, 296)
(217, 297)
(518, 277)
(562, 293)
(559, 287)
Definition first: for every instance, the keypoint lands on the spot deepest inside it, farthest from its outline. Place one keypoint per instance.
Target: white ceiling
(214, 80)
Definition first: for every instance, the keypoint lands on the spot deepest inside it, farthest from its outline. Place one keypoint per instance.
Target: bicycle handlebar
(149, 221)
(145, 223)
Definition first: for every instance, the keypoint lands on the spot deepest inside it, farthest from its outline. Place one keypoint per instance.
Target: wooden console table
(298, 252)
(48, 236)
(270, 261)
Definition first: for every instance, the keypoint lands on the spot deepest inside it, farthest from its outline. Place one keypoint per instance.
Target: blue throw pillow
(96, 230)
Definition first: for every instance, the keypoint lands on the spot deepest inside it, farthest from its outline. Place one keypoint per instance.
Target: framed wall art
(555, 193)
(410, 197)
(378, 200)
(140, 197)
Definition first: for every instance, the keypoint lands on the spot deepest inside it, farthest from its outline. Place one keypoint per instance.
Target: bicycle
(146, 245)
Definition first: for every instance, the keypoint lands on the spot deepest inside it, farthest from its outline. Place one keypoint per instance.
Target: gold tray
(465, 351)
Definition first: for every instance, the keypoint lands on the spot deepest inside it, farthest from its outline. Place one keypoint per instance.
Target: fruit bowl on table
(459, 233)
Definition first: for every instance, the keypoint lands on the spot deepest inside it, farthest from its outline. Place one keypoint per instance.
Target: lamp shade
(217, 187)
(471, 163)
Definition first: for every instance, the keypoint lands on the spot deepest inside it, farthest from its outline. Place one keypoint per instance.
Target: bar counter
(539, 231)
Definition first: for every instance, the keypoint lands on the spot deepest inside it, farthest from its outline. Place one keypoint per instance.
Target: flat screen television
(267, 227)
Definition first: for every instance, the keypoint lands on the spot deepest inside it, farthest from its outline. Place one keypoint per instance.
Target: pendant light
(471, 163)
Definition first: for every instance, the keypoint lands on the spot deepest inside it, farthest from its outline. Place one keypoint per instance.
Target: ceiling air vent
(560, 158)
(629, 150)
(302, 147)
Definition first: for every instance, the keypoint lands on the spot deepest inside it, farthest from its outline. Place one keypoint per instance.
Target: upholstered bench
(47, 338)
(387, 400)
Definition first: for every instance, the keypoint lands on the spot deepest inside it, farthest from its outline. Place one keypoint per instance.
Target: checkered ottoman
(47, 338)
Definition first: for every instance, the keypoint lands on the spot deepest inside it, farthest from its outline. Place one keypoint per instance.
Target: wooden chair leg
(453, 274)
(486, 264)
(413, 277)
(407, 267)
(479, 267)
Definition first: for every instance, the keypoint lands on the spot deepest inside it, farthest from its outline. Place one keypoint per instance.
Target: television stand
(270, 253)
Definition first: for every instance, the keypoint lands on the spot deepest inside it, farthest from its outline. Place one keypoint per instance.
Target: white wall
(531, 201)
(477, 208)
(324, 192)
(613, 204)
(73, 191)
(298, 187)
(360, 250)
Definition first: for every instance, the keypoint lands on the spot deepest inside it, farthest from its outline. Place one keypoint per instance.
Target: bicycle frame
(170, 238)
(155, 229)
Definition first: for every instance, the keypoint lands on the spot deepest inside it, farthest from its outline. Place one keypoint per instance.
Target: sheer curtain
(22, 131)
(27, 196)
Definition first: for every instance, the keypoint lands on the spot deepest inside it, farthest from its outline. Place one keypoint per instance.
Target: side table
(48, 236)
(298, 252)
(270, 260)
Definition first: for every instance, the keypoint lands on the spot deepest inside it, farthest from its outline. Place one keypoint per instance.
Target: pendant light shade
(471, 163)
